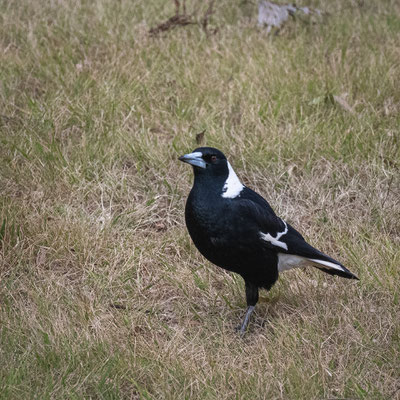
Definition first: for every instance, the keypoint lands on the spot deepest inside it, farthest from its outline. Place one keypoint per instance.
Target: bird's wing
(255, 214)
(280, 236)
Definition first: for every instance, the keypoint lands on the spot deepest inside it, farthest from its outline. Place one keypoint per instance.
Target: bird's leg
(251, 299)
(246, 319)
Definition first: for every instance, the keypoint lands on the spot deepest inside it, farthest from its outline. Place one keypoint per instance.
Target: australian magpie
(236, 229)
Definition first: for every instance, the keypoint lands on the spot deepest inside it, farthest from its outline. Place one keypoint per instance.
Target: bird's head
(207, 161)
(211, 167)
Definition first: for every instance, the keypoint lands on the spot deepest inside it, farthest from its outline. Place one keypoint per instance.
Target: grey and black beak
(195, 159)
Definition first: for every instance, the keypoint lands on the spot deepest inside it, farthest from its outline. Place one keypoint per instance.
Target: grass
(102, 293)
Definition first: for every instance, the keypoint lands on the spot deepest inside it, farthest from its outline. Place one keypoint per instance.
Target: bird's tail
(332, 267)
(317, 258)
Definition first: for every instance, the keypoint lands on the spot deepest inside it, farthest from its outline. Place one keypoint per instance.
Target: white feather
(289, 261)
(328, 264)
(232, 186)
(275, 240)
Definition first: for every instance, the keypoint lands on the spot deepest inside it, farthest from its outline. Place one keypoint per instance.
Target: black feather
(236, 229)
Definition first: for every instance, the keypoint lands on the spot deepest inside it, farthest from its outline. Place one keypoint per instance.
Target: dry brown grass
(102, 293)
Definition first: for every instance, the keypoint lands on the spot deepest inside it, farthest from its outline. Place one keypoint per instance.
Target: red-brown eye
(213, 158)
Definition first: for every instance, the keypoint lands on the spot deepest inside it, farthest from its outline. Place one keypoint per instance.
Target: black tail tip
(344, 274)
(352, 276)
(348, 275)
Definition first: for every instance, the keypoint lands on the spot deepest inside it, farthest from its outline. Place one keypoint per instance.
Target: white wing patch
(232, 186)
(275, 240)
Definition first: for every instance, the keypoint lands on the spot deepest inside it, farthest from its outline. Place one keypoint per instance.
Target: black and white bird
(236, 229)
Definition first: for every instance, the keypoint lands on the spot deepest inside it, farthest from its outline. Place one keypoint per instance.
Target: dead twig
(184, 19)
(172, 22)
(200, 137)
(207, 16)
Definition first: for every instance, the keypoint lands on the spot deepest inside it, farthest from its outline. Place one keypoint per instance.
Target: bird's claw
(241, 330)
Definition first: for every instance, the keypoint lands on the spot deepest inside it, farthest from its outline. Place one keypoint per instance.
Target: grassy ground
(102, 293)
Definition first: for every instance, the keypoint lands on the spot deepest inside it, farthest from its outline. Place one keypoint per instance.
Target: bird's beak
(194, 159)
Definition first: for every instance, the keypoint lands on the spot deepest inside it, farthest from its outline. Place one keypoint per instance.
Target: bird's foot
(240, 330)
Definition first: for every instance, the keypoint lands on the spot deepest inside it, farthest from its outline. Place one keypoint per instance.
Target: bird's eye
(213, 158)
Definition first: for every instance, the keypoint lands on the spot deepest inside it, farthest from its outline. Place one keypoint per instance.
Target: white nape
(275, 240)
(232, 186)
(289, 261)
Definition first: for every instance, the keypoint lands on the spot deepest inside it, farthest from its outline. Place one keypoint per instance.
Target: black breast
(229, 243)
